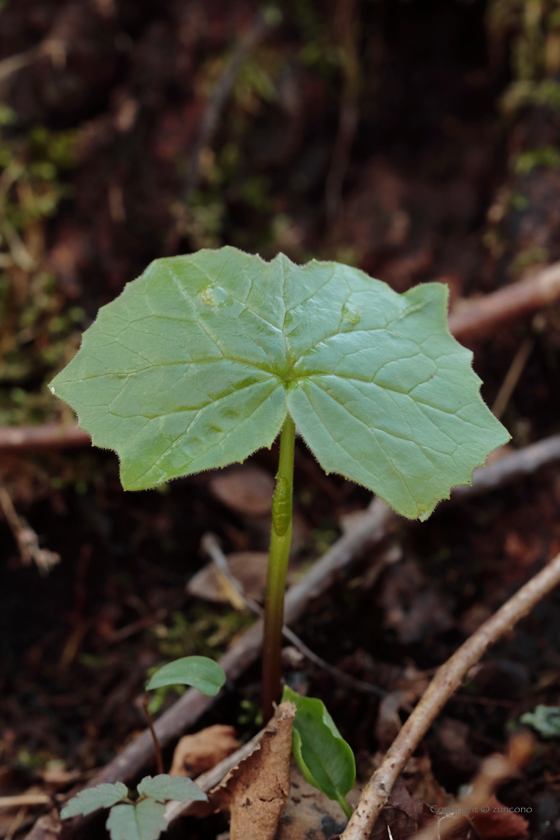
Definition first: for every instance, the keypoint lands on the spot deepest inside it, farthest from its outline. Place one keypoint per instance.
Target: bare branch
(446, 681)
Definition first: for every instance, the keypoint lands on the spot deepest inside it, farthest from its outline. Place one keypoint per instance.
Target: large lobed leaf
(197, 362)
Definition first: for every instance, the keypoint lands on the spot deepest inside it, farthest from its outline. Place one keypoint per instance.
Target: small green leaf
(90, 800)
(164, 787)
(322, 754)
(196, 364)
(545, 719)
(198, 671)
(144, 821)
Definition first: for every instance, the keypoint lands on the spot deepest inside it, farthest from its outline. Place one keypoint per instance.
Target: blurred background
(415, 139)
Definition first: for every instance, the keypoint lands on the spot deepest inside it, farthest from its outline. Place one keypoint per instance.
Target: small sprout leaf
(144, 821)
(197, 363)
(323, 756)
(163, 788)
(92, 799)
(545, 720)
(198, 671)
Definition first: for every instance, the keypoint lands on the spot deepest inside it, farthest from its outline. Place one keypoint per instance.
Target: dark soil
(432, 190)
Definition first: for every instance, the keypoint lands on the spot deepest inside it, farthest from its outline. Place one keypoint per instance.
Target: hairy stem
(280, 541)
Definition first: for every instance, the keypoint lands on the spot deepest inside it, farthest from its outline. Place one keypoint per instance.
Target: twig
(492, 772)
(446, 681)
(10, 65)
(524, 462)
(512, 377)
(44, 436)
(478, 318)
(52, 47)
(26, 538)
(25, 799)
(212, 547)
(211, 116)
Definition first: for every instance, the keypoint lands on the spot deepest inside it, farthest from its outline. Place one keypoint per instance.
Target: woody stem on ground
(280, 542)
(446, 681)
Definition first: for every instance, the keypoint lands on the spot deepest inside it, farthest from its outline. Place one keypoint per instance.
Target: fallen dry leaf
(247, 490)
(500, 822)
(256, 791)
(421, 783)
(403, 815)
(195, 754)
(247, 567)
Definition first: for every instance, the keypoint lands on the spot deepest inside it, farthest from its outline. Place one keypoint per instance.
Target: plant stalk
(157, 748)
(280, 542)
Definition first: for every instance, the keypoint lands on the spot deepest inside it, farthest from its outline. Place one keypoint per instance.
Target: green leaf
(545, 719)
(197, 362)
(198, 671)
(144, 821)
(90, 800)
(164, 787)
(322, 754)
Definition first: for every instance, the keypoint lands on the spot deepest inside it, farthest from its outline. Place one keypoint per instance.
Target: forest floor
(438, 182)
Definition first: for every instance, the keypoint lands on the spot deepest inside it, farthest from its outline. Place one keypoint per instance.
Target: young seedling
(140, 819)
(144, 817)
(208, 357)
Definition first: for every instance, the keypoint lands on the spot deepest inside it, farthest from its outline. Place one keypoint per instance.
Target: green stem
(280, 541)
(345, 805)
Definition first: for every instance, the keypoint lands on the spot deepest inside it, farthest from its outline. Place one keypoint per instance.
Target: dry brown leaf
(256, 791)
(247, 567)
(247, 490)
(500, 822)
(403, 814)
(421, 783)
(195, 754)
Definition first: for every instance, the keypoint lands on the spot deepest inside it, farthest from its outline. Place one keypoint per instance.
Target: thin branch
(211, 116)
(26, 538)
(446, 681)
(44, 436)
(479, 318)
(212, 547)
(512, 377)
(524, 462)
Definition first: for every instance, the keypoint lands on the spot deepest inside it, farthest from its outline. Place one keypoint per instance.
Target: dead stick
(478, 318)
(211, 115)
(446, 681)
(524, 462)
(44, 436)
